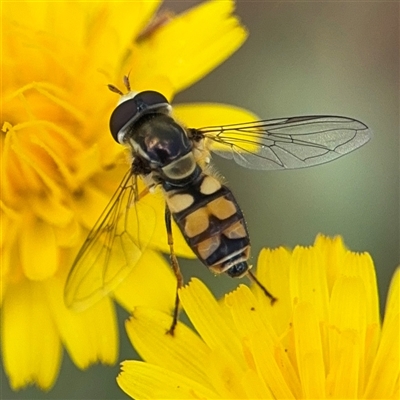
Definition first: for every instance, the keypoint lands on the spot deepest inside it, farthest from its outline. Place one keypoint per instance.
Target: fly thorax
(201, 153)
(181, 171)
(160, 140)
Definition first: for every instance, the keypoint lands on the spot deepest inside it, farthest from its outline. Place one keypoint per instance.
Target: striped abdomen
(212, 224)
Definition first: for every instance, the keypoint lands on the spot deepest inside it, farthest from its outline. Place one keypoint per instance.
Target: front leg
(175, 268)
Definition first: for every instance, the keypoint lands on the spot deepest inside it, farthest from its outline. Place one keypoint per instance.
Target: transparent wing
(286, 143)
(112, 248)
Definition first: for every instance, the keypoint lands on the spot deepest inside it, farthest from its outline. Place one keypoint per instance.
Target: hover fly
(174, 158)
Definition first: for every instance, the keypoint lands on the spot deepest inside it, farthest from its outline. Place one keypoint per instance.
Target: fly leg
(253, 278)
(175, 268)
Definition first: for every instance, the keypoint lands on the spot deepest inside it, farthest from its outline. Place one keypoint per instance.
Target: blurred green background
(339, 58)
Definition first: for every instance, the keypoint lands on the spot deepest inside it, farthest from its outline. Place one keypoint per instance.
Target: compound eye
(150, 98)
(121, 116)
(132, 109)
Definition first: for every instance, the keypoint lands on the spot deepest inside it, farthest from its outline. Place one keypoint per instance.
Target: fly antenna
(114, 89)
(127, 84)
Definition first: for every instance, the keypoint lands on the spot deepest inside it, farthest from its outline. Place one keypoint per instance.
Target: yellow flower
(60, 165)
(321, 339)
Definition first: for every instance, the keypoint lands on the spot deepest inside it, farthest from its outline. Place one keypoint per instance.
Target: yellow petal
(245, 312)
(89, 205)
(52, 211)
(184, 351)
(121, 17)
(68, 235)
(146, 381)
(227, 358)
(251, 321)
(333, 252)
(80, 331)
(208, 319)
(347, 334)
(11, 222)
(309, 353)
(343, 380)
(198, 41)
(255, 387)
(273, 271)
(392, 303)
(361, 265)
(151, 283)
(263, 349)
(114, 25)
(44, 16)
(31, 346)
(385, 373)
(105, 28)
(225, 374)
(17, 162)
(39, 255)
(384, 379)
(308, 283)
(197, 115)
(308, 279)
(36, 157)
(347, 305)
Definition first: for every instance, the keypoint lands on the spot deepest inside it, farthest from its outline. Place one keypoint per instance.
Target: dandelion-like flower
(60, 166)
(322, 339)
